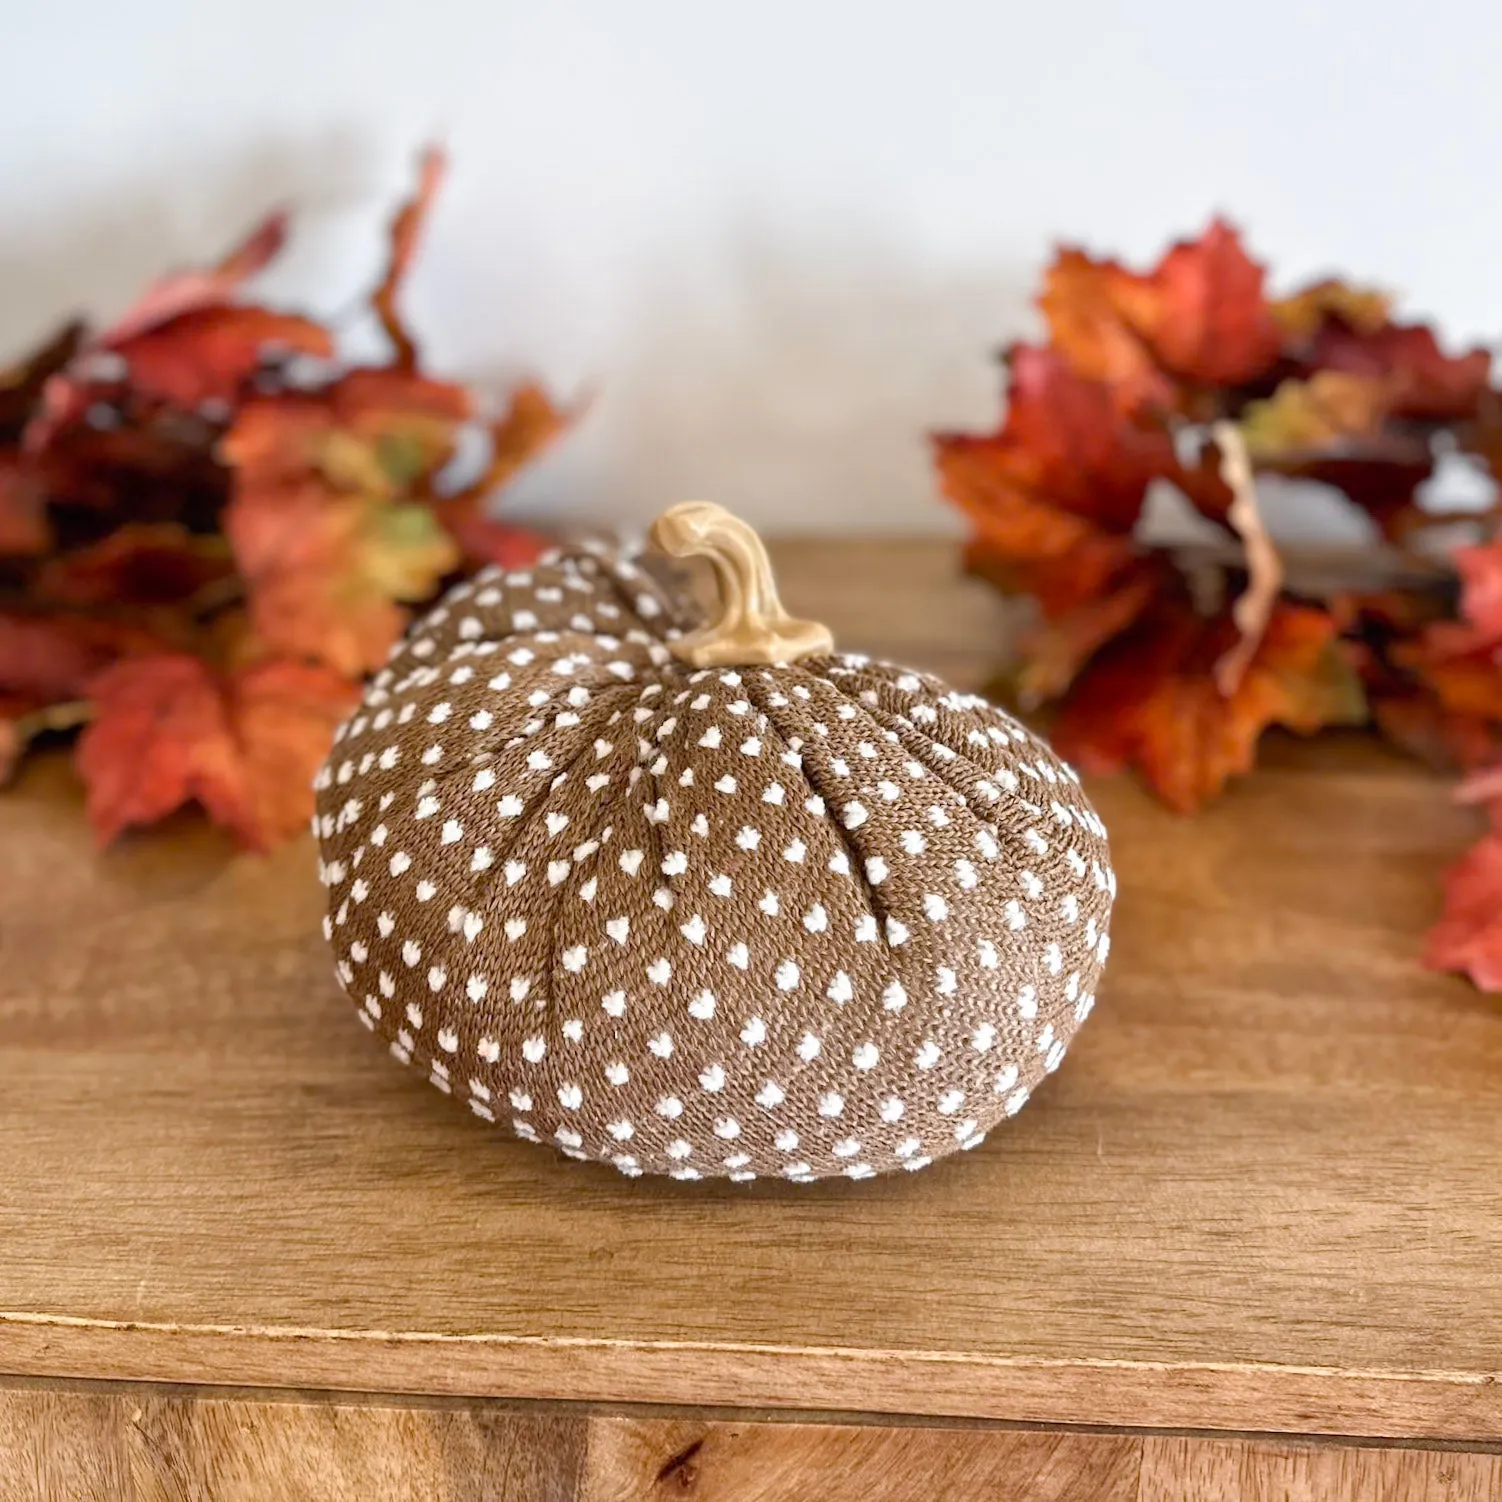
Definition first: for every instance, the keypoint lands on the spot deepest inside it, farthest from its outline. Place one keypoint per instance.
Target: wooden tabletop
(1264, 1191)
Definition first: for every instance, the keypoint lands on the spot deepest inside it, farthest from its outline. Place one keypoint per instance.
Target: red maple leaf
(51, 657)
(1054, 494)
(167, 732)
(1468, 936)
(190, 290)
(1425, 382)
(185, 341)
(1202, 310)
(209, 355)
(46, 664)
(1150, 698)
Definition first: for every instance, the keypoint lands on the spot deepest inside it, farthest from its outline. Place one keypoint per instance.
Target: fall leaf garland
(211, 529)
(1174, 660)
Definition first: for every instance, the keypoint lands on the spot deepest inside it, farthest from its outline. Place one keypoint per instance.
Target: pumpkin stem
(752, 626)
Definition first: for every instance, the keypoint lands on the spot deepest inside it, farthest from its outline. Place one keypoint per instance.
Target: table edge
(1233, 1396)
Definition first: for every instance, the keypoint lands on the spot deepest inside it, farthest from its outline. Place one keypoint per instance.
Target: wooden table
(1248, 1237)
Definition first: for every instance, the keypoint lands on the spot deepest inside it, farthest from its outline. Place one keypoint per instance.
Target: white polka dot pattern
(830, 918)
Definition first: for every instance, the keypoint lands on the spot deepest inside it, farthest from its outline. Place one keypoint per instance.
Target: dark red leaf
(141, 564)
(1426, 383)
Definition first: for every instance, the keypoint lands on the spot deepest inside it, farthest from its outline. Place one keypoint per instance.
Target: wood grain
(655, 1461)
(1261, 1193)
(157, 1445)
(1240, 1470)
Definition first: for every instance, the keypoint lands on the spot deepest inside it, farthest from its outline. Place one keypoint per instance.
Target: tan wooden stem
(752, 626)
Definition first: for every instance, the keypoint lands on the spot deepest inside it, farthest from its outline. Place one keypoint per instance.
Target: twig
(67, 716)
(1254, 606)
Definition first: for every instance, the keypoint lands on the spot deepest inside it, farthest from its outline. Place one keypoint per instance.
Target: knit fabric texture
(831, 918)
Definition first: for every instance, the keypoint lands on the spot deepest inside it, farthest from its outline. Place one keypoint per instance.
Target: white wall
(781, 239)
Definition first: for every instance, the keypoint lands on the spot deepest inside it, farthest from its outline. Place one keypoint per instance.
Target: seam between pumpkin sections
(852, 851)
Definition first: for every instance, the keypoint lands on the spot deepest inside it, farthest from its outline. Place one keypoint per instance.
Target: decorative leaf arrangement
(211, 529)
(1174, 660)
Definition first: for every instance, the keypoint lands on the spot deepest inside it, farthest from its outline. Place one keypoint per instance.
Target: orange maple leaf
(1149, 699)
(1199, 319)
(333, 521)
(1083, 301)
(167, 732)
(325, 570)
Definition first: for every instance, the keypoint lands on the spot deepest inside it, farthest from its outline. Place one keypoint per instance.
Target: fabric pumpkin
(713, 902)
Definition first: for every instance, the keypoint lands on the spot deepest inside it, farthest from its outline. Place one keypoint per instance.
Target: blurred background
(779, 242)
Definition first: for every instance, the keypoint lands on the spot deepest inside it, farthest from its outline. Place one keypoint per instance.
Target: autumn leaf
(531, 424)
(325, 570)
(331, 521)
(373, 390)
(161, 738)
(1202, 311)
(24, 529)
(1199, 319)
(284, 715)
(1425, 383)
(1333, 428)
(1056, 491)
(1468, 936)
(142, 564)
(190, 291)
(22, 384)
(372, 450)
(406, 229)
(1479, 628)
(166, 732)
(1082, 302)
(50, 657)
(1330, 410)
(1150, 700)
(47, 661)
(1053, 652)
(1303, 314)
(210, 354)
(183, 340)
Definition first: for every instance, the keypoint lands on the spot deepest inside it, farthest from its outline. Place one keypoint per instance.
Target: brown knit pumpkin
(704, 902)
